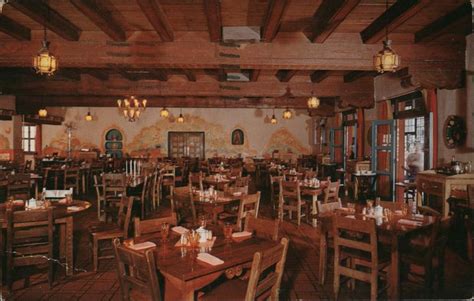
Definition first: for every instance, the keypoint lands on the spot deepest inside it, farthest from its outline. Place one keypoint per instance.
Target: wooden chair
(115, 188)
(425, 210)
(30, 241)
(156, 190)
(72, 179)
(264, 228)
(275, 192)
(183, 205)
(290, 200)
(331, 192)
(392, 205)
(107, 232)
(137, 273)
(248, 206)
(153, 225)
(145, 196)
(427, 252)
(99, 190)
(195, 180)
(168, 179)
(236, 172)
(355, 241)
(328, 207)
(19, 186)
(264, 281)
(27, 167)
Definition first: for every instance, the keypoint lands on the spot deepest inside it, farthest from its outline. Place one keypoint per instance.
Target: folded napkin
(350, 216)
(210, 259)
(398, 212)
(409, 222)
(241, 234)
(202, 244)
(74, 208)
(180, 230)
(237, 193)
(143, 245)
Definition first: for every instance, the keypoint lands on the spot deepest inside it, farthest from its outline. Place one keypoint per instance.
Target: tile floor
(300, 280)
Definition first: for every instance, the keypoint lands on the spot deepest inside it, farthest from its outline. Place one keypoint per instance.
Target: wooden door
(383, 156)
(186, 144)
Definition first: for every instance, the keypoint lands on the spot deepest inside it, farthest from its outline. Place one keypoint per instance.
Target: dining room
(236, 150)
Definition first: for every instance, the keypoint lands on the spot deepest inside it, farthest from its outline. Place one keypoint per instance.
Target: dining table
(184, 273)
(390, 232)
(313, 192)
(215, 206)
(63, 215)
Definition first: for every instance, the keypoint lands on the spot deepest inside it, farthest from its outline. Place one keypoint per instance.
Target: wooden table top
(59, 210)
(182, 265)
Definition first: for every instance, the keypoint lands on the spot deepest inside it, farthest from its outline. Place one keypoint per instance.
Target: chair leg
(50, 274)
(95, 254)
(373, 286)
(336, 282)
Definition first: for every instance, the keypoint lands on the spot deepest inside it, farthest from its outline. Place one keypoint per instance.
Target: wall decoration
(454, 131)
(283, 140)
(113, 143)
(237, 137)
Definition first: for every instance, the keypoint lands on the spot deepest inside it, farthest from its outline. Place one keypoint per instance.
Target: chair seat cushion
(229, 290)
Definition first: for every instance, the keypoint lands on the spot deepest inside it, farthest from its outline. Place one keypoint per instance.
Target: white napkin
(210, 259)
(237, 193)
(73, 208)
(143, 245)
(409, 222)
(241, 234)
(180, 230)
(350, 216)
(398, 212)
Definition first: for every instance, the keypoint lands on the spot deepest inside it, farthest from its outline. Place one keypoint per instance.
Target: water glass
(203, 221)
(228, 231)
(351, 207)
(165, 230)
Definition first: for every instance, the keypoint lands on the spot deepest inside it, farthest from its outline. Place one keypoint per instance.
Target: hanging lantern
(287, 114)
(313, 102)
(386, 60)
(88, 117)
(43, 112)
(164, 113)
(180, 118)
(273, 120)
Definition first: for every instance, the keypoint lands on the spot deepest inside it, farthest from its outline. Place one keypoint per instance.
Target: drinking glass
(193, 239)
(228, 231)
(165, 230)
(203, 221)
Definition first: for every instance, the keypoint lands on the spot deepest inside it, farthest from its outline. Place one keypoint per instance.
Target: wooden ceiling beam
(157, 18)
(275, 11)
(286, 75)
(396, 15)
(319, 75)
(433, 30)
(46, 16)
(189, 75)
(24, 102)
(355, 75)
(159, 74)
(327, 18)
(100, 13)
(14, 29)
(221, 75)
(100, 74)
(212, 9)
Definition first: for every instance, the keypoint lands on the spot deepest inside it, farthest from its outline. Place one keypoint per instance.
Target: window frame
(28, 138)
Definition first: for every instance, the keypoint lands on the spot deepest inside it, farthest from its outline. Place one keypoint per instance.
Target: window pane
(25, 131)
(32, 145)
(32, 131)
(24, 145)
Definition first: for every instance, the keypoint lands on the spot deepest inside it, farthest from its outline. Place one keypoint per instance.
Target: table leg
(394, 288)
(69, 246)
(356, 188)
(322, 256)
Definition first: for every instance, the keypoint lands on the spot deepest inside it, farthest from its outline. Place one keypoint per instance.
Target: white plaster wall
(151, 130)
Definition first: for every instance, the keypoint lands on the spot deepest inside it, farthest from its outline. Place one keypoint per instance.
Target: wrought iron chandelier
(45, 62)
(131, 108)
(313, 102)
(273, 120)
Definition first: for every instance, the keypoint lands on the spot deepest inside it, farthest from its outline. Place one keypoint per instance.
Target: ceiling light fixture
(164, 112)
(43, 112)
(313, 102)
(180, 117)
(45, 62)
(287, 113)
(273, 120)
(131, 108)
(88, 117)
(386, 60)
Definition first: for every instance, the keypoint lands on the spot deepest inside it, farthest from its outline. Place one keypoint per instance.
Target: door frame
(392, 148)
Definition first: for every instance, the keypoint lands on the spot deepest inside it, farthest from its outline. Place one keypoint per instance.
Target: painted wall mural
(149, 135)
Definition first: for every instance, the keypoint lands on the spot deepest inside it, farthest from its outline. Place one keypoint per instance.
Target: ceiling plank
(275, 11)
(45, 15)
(327, 18)
(433, 30)
(221, 75)
(100, 74)
(99, 12)
(355, 75)
(319, 75)
(157, 18)
(212, 9)
(14, 29)
(393, 17)
(286, 75)
(254, 74)
(189, 74)
(159, 74)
